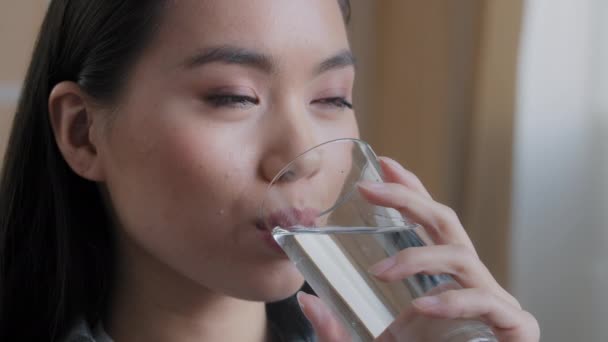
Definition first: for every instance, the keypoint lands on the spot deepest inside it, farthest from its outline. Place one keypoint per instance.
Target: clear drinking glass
(333, 235)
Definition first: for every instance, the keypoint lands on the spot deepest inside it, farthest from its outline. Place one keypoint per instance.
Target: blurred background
(500, 107)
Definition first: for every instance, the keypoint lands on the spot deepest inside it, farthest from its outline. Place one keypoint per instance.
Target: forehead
(278, 27)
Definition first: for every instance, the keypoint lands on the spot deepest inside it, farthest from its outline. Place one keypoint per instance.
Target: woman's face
(226, 93)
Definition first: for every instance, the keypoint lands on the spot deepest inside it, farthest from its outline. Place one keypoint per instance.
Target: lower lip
(270, 241)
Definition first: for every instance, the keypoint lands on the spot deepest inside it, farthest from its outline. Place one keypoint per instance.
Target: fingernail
(426, 302)
(310, 305)
(371, 186)
(299, 297)
(382, 266)
(393, 163)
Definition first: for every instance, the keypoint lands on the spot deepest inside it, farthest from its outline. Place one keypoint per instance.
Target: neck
(153, 302)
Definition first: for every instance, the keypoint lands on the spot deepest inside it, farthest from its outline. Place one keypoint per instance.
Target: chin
(283, 292)
(273, 287)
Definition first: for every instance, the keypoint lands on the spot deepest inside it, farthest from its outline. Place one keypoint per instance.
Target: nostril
(288, 176)
(278, 168)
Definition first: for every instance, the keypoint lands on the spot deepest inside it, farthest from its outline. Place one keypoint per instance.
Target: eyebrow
(343, 59)
(241, 56)
(231, 55)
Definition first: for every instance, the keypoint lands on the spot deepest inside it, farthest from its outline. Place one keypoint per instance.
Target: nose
(305, 166)
(291, 135)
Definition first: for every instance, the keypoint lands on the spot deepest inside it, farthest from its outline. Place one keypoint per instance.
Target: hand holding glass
(333, 235)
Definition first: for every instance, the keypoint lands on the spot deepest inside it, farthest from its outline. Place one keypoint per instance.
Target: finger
(457, 260)
(327, 327)
(411, 325)
(440, 221)
(404, 328)
(395, 173)
(508, 322)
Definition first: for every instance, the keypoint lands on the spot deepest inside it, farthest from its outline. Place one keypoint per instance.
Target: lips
(289, 217)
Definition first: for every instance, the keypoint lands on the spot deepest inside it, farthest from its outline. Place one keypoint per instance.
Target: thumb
(327, 327)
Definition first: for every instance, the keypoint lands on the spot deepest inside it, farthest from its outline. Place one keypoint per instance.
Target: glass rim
(365, 147)
(290, 163)
(287, 166)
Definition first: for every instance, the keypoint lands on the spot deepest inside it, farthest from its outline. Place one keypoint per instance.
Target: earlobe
(74, 126)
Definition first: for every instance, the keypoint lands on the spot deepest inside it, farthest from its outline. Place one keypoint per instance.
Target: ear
(75, 127)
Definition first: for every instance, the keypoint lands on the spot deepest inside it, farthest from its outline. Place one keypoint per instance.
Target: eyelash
(242, 101)
(339, 102)
(227, 100)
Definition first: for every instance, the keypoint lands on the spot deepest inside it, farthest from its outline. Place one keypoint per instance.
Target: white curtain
(560, 201)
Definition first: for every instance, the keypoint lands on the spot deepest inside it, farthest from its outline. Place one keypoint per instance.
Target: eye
(338, 102)
(231, 100)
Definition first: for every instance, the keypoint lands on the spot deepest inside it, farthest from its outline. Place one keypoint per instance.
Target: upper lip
(288, 217)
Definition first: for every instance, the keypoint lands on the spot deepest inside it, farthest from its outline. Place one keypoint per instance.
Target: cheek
(184, 189)
(336, 169)
(189, 200)
(169, 171)
(172, 183)
(343, 127)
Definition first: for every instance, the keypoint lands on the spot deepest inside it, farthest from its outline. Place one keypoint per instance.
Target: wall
(439, 95)
(19, 23)
(559, 259)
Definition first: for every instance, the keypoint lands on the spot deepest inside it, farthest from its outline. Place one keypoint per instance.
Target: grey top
(81, 332)
(287, 324)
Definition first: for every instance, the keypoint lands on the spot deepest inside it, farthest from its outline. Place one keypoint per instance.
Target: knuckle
(533, 326)
(464, 260)
(412, 177)
(510, 299)
(410, 174)
(448, 212)
(446, 217)
(451, 297)
(453, 302)
(463, 252)
(407, 256)
(489, 295)
(401, 188)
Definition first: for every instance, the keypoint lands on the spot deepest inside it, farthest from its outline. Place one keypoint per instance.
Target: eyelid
(238, 91)
(337, 101)
(232, 97)
(231, 101)
(334, 95)
(334, 92)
